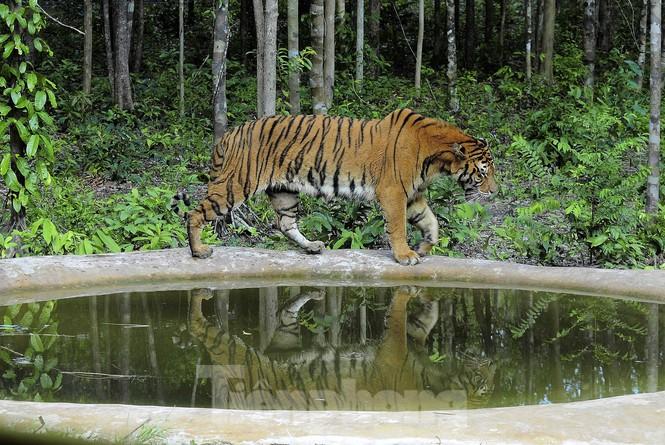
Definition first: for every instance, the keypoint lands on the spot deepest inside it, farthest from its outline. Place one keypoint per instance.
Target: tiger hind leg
(421, 216)
(285, 205)
(212, 207)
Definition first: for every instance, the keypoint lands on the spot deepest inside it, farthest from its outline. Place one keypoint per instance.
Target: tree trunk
(469, 33)
(340, 15)
(152, 350)
(655, 84)
(605, 26)
(374, 23)
(360, 41)
(329, 51)
(87, 47)
(590, 42)
(130, 23)
(124, 355)
(137, 41)
(270, 58)
(316, 80)
(652, 346)
(294, 51)
(94, 345)
(260, 50)
(538, 33)
(437, 45)
(489, 30)
(502, 30)
(452, 57)
(642, 53)
(245, 31)
(220, 48)
(108, 41)
(268, 307)
(181, 55)
(548, 40)
(419, 46)
(528, 16)
(123, 85)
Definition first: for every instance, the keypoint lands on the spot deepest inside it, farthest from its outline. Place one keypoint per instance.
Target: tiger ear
(457, 150)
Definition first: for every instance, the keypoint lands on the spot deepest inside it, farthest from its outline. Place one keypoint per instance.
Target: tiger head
(473, 168)
(465, 158)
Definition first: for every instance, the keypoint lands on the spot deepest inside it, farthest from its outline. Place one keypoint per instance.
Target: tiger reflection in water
(395, 374)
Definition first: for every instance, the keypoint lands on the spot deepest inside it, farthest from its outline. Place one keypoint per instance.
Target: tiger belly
(328, 189)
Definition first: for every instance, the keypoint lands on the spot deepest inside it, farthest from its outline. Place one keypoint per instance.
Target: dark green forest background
(572, 159)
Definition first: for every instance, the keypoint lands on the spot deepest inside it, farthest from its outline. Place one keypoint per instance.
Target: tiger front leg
(421, 216)
(394, 210)
(211, 207)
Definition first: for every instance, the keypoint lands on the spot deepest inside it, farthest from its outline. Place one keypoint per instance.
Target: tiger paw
(424, 249)
(315, 247)
(407, 258)
(203, 253)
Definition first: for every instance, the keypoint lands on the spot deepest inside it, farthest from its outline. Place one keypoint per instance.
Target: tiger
(390, 160)
(392, 374)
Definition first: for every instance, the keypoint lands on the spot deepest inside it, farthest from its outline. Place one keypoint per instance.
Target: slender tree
(374, 22)
(270, 58)
(294, 51)
(360, 41)
(137, 41)
(329, 51)
(452, 57)
(316, 79)
(548, 40)
(652, 348)
(470, 33)
(123, 84)
(642, 49)
(502, 30)
(181, 55)
(605, 25)
(439, 36)
(489, 30)
(260, 50)
(655, 84)
(108, 41)
(87, 46)
(265, 18)
(419, 46)
(340, 15)
(220, 48)
(528, 17)
(590, 42)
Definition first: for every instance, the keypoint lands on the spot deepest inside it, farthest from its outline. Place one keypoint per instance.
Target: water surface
(403, 348)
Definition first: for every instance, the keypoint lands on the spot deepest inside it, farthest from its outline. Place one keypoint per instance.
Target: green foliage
(25, 98)
(28, 363)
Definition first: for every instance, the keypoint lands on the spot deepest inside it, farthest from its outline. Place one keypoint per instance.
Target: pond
(343, 348)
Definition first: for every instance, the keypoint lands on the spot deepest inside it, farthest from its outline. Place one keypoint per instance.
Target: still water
(403, 348)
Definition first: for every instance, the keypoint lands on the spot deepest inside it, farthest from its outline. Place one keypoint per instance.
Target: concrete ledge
(636, 419)
(41, 278)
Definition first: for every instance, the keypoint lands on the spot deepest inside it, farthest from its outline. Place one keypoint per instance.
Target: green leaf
(50, 364)
(23, 166)
(49, 232)
(48, 147)
(40, 100)
(4, 356)
(4, 164)
(26, 320)
(33, 145)
(31, 80)
(12, 181)
(9, 48)
(38, 362)
(36, 343)
(22, 67)
(597, 240)
(46, 381)
(16, 96)
(37, 44)
(4, 109)
(108, 241)
(51, 98)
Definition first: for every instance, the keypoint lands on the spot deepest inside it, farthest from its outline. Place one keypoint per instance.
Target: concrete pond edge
(41, 278)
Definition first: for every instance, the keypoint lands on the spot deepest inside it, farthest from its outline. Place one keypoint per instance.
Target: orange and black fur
(391, 160)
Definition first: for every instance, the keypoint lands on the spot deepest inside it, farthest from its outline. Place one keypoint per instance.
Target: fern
(535, 311)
